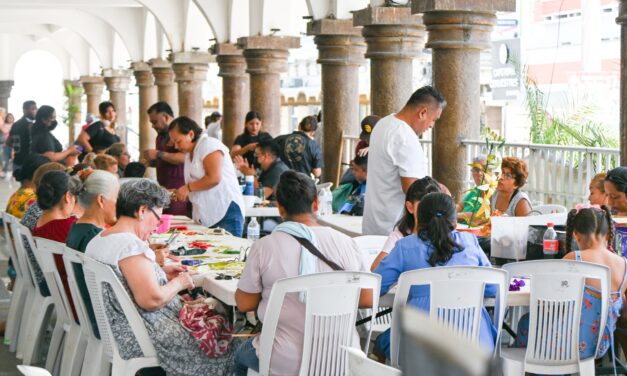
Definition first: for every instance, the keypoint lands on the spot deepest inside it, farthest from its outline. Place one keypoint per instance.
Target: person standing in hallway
(19, 137)
(168, 161)
(397, 159)
(214, 127)
(6, 147)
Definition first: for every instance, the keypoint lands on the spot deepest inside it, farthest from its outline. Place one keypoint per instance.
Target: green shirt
(80, 235)
(470, 201)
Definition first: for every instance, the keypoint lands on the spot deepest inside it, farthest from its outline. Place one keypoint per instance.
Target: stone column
(190, 71)
(340, 53)
(622, 21)
(394, 37)
(145, 81)
(75, 102)
(164, 79)
(117, 81)
(93, 85)
(5, 93)
(266, 59)
(456, 37)
(235, 90)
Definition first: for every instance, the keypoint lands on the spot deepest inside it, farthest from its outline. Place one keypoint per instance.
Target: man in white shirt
(214, 128)
(396, 159)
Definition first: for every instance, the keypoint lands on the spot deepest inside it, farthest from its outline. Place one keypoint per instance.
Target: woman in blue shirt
(436, 244)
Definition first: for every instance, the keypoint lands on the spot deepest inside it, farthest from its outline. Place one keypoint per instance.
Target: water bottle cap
(550, 224)
(249, 178)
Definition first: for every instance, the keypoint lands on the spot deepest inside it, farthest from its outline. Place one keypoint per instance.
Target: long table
(347, 224)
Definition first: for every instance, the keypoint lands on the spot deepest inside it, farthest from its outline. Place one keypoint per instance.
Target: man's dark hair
(134, 170)
(161, 108)
(296, 192)
(26, 105)
(268, 145)
(426, 95)
(185, 125)
(104, 106)
(361, 161)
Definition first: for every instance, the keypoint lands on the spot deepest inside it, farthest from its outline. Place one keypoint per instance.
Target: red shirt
(57, 230)
(171, 176)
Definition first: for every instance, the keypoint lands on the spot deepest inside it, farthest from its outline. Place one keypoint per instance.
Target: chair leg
(73, 351)
(512, 368)
(586, 368)
(30, 296)
(40, 316)
(55, 350)
(95, 359)
(15, 314)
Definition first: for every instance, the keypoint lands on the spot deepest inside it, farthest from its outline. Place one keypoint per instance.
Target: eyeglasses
(156, 215)
(508, 176)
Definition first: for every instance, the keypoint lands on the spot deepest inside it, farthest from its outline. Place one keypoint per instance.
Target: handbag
(211, 329)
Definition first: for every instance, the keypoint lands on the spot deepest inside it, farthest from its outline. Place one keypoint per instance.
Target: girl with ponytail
(591, 226)
(435, 244)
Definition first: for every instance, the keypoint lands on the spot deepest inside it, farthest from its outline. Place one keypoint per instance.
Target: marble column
(394, 37)
(622, 21)
(266, 59)
(456, 37)
(92, 86)
(5, 93)
(145, 81)
(235, 90)
(117, 81)
(75, 101)
(164, 79)
(190, 72)
(340, 53)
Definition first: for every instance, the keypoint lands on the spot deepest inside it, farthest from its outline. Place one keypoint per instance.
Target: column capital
(230, 59)
(190, 66)
(338, 42)
(117, 80)
(491, 6)
(162, 72)
(381, 15)
(143, 74)
(92, 85)
(268, 42)
(267, 54)
(190, 57)
(459, 29)
(6, 86)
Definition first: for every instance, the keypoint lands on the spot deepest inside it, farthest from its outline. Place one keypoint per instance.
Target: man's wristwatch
(160, 154)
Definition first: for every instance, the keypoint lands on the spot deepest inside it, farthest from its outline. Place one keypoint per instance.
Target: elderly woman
(101, 134)
(616, 187)
(508, 198)
(211, 183)
(32, 214)
(153, 289)
(42, 141)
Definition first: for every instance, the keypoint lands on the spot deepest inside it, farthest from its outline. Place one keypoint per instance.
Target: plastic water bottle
(324, 202)
(252, 231)
(249, 188)
(550, 244)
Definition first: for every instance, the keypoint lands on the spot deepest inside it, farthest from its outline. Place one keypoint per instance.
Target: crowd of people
(94, 198)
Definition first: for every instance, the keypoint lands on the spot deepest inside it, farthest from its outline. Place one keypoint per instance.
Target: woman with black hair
(100, 135)
(42, 141)
(56, 196)
(210, 181)
(246, 142)
(408, 224)
(436, 244)
(616, 188)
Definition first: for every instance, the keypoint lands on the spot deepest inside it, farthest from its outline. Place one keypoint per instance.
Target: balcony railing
(557, 174)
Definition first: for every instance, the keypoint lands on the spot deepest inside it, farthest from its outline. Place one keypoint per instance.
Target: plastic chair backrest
(25, 237)
(9, 233)
(370, 246)
(550, 209)
(97, 275)
(360, 365)
(331, 302)
(46, 249)
(33, 371)
(456, 299)
(556, 293)
(71, 258)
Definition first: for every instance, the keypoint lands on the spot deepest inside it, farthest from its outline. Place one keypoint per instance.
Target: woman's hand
(185, 281)
(182, 193)
(363, 151)
(172, 271)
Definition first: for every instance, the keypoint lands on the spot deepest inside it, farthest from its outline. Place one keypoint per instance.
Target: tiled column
(394, 37)
(341, 51)
(266, 59)
(164, 79)
(5, 93)
(92, 86)
(190, 71)
(145, 81)
(235, 90)
(457, 34)
(117, 81)
(75, 101)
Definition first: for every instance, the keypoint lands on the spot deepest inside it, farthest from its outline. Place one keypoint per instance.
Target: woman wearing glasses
(508, 198)
(153, 289)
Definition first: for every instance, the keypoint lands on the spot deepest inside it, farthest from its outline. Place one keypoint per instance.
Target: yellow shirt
(20, 201)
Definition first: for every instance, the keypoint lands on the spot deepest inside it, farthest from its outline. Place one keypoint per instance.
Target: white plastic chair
(370, 246)
(21, 287)
(97, 275)
(66, 330)
(38, 307)
(33, 371)
(555, 297)
(95, 361)
(456, 300)
(332, 301)
(549, 209)
(360, 365)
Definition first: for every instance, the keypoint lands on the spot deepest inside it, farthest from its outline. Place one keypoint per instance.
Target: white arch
(14, 46)
(172, 16)
(265, 16)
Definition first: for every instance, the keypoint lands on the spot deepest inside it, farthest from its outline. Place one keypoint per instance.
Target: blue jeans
(6, 158)
(245, 358)
(233, 220)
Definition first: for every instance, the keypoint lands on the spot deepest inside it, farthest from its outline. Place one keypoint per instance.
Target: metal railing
(557, 174)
